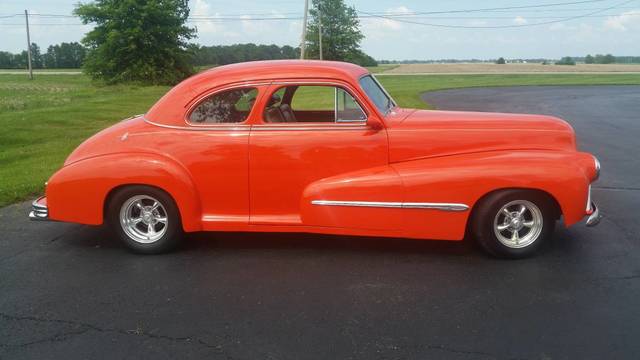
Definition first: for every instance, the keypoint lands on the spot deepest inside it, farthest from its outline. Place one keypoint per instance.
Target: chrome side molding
(401, 205)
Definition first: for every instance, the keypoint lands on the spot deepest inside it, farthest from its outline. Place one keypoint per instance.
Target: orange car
(321, 147)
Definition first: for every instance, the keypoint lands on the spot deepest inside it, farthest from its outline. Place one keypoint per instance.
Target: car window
(347, 109)
(312, 104)
(230, 106)
(376, 93)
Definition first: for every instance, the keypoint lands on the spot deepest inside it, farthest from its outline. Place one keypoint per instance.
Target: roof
(167, 108)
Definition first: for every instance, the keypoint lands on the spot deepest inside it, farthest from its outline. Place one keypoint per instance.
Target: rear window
(230, 106)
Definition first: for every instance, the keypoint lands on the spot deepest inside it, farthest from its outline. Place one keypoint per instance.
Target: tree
(608, 59)
(36, 56)
(567, 60)
(137, 40)
(501, 61)
(589, 59)
(341, 34)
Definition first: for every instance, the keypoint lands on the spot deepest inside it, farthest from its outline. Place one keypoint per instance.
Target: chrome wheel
(143, 218)
(518, 224)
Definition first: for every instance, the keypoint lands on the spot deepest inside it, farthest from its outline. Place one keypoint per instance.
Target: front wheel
(145, 218)
(513, 223)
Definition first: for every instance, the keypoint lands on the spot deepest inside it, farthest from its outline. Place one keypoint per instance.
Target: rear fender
(77, 192)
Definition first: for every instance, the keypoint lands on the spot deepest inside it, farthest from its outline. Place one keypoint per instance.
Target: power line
(498, 26)
(407, 17)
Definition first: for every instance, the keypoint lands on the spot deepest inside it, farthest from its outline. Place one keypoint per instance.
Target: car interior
(311, 104)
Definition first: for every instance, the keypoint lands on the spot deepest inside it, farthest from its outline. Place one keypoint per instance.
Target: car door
(310, 133)
(213, 146)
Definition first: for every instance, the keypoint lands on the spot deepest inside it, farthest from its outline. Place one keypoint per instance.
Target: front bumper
(594, 217)
(39, 210)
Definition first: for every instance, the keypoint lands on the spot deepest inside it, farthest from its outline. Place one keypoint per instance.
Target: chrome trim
(595, 217)
(38, 212)
(401, 205)
(597, 164)
(332, 126)
(243, 127)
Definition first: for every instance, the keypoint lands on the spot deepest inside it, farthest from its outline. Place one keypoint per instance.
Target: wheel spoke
(522, 209)
(528, 224)
(503, 227)
(155, 205)
(515, 237)
(161, 219)
(151, 230)
(136, 220)
(139, 204)
(506, 212)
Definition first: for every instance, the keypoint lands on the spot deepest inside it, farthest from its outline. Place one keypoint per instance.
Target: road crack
(82, 328)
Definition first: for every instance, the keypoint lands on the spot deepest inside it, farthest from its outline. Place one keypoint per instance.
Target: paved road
(69, 291)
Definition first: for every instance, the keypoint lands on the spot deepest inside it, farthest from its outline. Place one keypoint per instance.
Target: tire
(145, 218)
(501, 215)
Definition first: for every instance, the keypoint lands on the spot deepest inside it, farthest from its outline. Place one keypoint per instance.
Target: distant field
(45, 119)
(41, 71)
(508, 68)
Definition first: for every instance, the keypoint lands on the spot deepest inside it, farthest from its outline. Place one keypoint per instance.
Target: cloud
(374, 24)
(519, 20)
(623, 21)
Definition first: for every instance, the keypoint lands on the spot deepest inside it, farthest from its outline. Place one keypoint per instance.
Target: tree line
(63, 55)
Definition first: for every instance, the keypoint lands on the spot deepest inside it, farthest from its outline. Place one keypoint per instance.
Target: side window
(230, 106)
(347, 109)
(312, 104)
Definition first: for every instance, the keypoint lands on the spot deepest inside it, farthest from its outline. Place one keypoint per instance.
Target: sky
(529, 31)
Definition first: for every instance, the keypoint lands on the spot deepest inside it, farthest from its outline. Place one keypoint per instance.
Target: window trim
(336, 85)
(395, 104)
(194, 103)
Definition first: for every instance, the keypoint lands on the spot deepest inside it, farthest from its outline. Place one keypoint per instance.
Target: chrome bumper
(594, 217)
(38, 212)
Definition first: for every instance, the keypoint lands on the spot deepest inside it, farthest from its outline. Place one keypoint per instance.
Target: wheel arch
(557, 209)
(92, 182)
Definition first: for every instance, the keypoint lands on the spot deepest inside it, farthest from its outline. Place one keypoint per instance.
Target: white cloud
(519, 20)
(623, 21)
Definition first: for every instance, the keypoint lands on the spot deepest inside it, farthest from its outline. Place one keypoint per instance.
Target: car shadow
(100, 237)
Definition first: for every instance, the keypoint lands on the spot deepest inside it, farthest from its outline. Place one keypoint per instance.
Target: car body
(235, 152)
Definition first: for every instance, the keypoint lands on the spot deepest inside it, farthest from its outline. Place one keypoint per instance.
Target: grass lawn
(45, 119)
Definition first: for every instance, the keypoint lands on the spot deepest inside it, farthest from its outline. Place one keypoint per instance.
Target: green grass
(43, 120)
(406, 89)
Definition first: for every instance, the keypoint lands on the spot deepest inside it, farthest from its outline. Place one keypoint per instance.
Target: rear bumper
(594, 217)
(39, 210)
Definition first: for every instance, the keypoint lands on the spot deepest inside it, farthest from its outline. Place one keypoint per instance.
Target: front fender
(466, 178)
(77, 192)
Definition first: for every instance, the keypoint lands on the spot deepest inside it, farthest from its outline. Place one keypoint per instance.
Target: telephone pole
(26, 19)
(304, 29)
(320, 32)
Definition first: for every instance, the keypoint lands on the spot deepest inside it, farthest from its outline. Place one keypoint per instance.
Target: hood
(415, 134)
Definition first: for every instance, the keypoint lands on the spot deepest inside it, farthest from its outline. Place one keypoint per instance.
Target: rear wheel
(513, 223)
(145, 218)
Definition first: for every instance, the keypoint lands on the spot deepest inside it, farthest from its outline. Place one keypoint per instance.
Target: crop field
(45, 119)
(484, 68)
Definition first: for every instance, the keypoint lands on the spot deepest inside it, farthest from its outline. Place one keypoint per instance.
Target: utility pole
(304, 29)
(26, 19)
(320, 32)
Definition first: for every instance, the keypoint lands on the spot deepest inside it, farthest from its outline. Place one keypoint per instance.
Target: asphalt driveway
(70, 291)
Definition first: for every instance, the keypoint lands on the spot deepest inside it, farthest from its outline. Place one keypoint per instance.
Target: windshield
(376, 93)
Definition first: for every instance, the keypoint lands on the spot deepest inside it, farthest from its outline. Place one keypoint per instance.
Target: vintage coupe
(321, 147)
